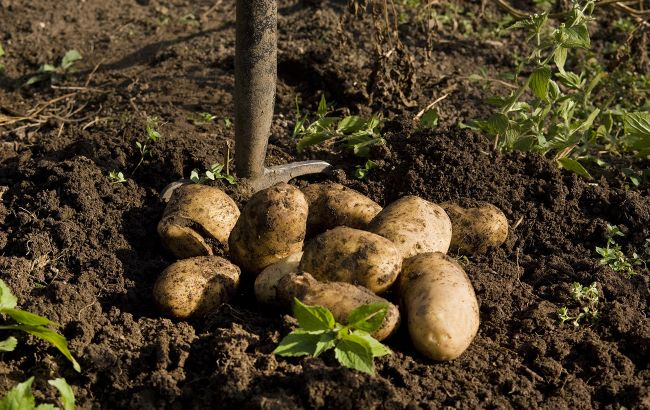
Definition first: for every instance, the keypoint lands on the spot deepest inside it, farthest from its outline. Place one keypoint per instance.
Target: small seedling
(56, 73)
(20, 397)
(30, 323)
(116, 177)
(214, 173)
(587, 298)
(202, 118)
(352, 132)
(613, 256)
(227, 122)
(353, 345)
(152, 136)
(429, 119)
(360, 172)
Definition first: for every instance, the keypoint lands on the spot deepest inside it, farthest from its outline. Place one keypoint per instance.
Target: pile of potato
(356, 252)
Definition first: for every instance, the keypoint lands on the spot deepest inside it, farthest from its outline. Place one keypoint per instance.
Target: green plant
(20, 397)
(571, 116)
(587, 298)
(360, 172)
(152, 136)
(56, 73)
(30, 323)
(613, 256)
(318, 332)
(352, 132)
(116, 177)
(202, 118)
(212, 174)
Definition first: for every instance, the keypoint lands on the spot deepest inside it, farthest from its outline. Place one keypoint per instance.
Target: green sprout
(29, 323)
(613, 256)
(56, 73)
(144, 148)
(360, 172)
(353, 345)
(214, 173)
(202, 118)
(20, 397)
(116, 177)
(587, 298)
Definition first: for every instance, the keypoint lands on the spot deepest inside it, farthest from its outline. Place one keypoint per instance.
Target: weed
(586, 297)
(202, 118)
(318, 332)
(30, 323)
(613, 256)
(56, 74)
(360, 172)
(116, 177)
(570, 116)
(212, 174)
(355, 133)
(227, 122)
(20, 397)
(144, 148)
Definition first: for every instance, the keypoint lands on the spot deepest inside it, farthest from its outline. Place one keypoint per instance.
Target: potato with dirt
(440, 305)
(476, 230)
(195, 216)
(332, 205)
(339, 297)
(350, 255)
(267, 281)
(195, 286)
(414, 225)
(271, 227)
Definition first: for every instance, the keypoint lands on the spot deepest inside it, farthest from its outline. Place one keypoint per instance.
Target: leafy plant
(318, 332)
(352, 132)
(30, 323)
(144, 148)
(587, 298)
(20, 397)
(613, 256)
(116, 177)
(360, 172)
(56, 73)
(202, 118)
(571, 116)
(214, 173)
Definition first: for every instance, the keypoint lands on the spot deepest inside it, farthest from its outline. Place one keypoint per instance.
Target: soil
(84, 251)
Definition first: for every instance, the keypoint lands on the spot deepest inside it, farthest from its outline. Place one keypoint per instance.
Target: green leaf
(576, 36)
(350, 124)
(367, 317)
(553, 90)
(539, 82)
(9, 344)
(637, 130)
(574, 166)
(360, 172)
(498, 123)
(298, 343)
(312, 318)
(27, 318)
(7, 299)
(65, 391)
(20, 397)
(377, 348)
(322, 106)
(560, 58)
(326, 342)
(354, 352)
(429, 119)
(49, 335)
(70, 57)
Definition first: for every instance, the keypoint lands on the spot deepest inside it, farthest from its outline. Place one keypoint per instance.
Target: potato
(350, 255)
(332, 205)
(339, 297)
(266, 282)
(195, 286)
(271, 227)
(195, 215)
(414, 225)
(476, 230)
(439, 303)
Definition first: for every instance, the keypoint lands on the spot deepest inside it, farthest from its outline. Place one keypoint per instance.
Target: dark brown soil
(84, 252)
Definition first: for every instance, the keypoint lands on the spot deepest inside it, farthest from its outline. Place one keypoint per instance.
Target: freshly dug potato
(440, 305)
(195, 286)
(267, 281)
(350, 255)
(271, 227)
(195, 215)
(414, 225)
(339, 297)
(476, 230)
(332, 205)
